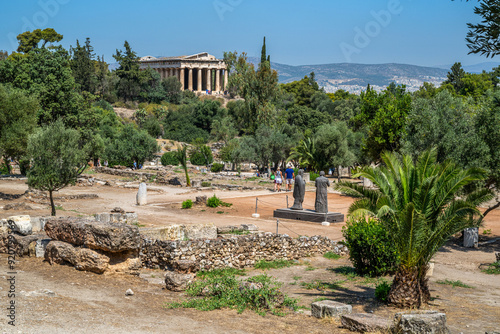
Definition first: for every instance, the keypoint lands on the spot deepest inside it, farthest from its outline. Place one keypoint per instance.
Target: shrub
(103, 105)
(371, 249)
(169, 159)
(206, 184)
(216, 167)
(222, 290)
(198, 159)
(382, 290)
(187, 204)
(215, 202)
(313, 176)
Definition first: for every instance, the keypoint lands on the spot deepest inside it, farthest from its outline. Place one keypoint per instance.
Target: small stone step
(365, 322)
(329, 308)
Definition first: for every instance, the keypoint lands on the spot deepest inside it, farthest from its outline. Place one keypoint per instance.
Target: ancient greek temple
(199, 72)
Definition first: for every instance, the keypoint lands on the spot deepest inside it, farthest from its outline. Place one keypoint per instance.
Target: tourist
(279, 179)
(273, 178)
(289, 175)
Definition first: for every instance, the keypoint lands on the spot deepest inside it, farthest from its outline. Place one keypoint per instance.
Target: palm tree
(305, 153)
(419, 203)
(181, 155)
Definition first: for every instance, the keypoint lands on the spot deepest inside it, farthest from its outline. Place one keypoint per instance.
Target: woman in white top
(279, 179)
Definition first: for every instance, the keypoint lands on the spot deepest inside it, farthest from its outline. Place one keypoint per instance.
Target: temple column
(181, 73)
(225, 79)
(209, 78)
(190, 79)
(169, 73)
(217, 80)
(200, 71)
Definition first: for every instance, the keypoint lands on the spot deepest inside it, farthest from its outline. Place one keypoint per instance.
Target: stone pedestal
(471, 237)
(309, 215)
(142, 194)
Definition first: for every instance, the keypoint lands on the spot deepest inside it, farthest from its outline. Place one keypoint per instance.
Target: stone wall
(234, 251)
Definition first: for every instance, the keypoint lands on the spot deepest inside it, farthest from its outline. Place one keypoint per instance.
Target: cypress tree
(263, 53)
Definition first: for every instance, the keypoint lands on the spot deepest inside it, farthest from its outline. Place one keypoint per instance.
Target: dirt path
(85, 302)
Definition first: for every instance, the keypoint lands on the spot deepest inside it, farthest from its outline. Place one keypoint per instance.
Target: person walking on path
(279, 179)
(290, 175)
(273, 178)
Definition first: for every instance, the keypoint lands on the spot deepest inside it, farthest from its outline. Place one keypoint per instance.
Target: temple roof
(197, 56)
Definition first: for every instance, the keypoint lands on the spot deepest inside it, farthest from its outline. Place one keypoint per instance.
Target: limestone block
(177, 282)
(196, 183)
(365, 322)
(22, 224)
(110, 237)
(471, 237)
(329, 308)
(421, 322)
(142, 194)
(104, 217)
(41, 246)
(249, 227)
(226, 229)
(59, 252)
(200, 231)
(185, 266)
(84, 259)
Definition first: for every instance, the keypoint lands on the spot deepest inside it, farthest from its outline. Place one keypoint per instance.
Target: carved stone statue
(322, 184)
(299, 191)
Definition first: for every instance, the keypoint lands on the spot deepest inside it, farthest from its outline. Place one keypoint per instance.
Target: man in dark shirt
(289, 175)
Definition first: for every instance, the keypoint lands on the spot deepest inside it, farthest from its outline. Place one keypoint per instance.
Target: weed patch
(493, 269)
(332, 256)
(455, 283)
(276, 264)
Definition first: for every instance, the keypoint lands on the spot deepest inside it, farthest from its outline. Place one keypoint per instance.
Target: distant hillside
(476, 68)
(355, 77)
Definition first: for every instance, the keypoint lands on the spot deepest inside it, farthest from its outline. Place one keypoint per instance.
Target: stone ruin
(110, 244)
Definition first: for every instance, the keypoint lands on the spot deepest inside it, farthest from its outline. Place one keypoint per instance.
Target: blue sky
(420, 32)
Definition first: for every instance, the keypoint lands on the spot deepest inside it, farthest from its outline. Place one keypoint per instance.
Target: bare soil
(83, 302)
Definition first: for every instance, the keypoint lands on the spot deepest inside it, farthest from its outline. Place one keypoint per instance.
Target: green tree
(419, 204)
(335, 145)
(303, 90)
(263, 56)
(484, 38)
(128, 72)
(172, 88)
(259, 89)
(131, 145)
(223, 129)
(384, 118)
(46, 74)
(56, 159)
(30, 40)
(17, 122)
(3, 55)
(455, 77)
(83, 66)
(200, 154)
